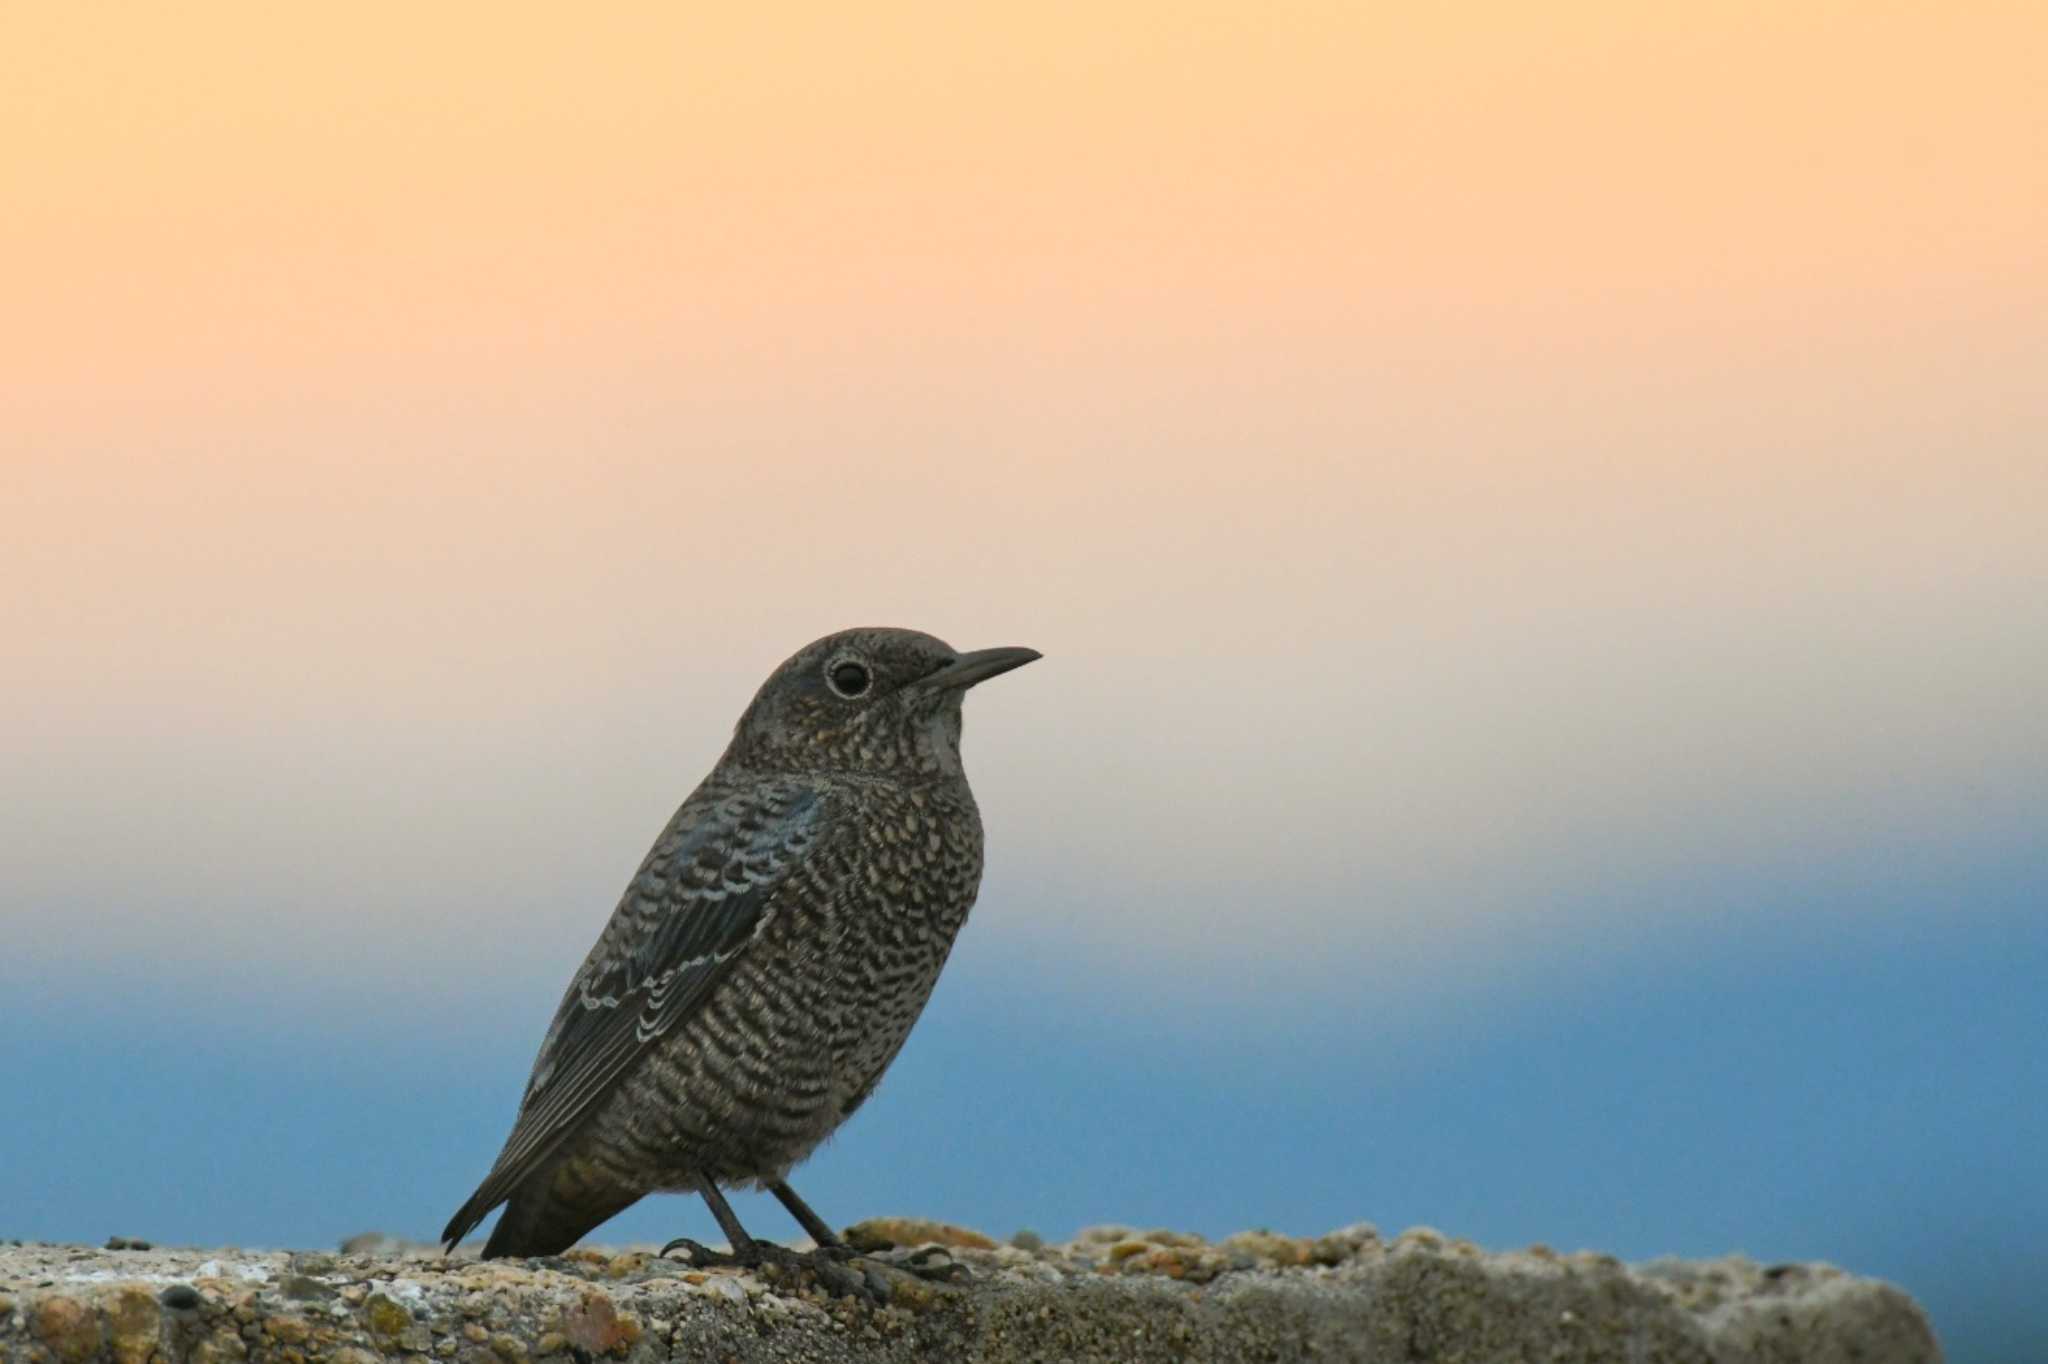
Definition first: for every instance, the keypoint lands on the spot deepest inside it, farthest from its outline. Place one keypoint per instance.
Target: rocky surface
(1113, 1293)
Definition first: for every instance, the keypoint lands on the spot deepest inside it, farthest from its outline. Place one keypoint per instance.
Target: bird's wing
(706, 890)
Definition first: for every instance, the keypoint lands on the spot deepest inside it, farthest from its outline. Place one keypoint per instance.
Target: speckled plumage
(770, 956)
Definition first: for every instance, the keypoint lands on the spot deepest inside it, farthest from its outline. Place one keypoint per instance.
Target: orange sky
(1577, 398)
(309, 202)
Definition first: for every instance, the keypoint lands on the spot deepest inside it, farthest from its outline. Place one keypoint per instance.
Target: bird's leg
(747, 1253)
(921, 1263)
(827, 1239)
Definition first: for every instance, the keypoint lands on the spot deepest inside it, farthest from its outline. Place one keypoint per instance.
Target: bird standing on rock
(767, 961)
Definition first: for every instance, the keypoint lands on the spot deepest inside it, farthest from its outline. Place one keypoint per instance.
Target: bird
(766, 962)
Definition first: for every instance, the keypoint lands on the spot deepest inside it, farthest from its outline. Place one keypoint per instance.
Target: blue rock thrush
(767, 961)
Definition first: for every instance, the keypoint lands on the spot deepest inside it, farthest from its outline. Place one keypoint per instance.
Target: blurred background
(1537, 517)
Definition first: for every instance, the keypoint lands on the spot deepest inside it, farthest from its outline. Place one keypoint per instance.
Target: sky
(1534, 515)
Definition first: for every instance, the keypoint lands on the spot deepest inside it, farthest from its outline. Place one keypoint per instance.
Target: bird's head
(866, 700)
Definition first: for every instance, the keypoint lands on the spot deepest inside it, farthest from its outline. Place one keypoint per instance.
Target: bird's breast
(913, 865)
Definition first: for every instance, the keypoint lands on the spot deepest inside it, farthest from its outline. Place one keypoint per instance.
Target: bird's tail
(474, 1211)
(544, 1214)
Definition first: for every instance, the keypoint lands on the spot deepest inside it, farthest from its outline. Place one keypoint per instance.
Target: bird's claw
(704, 1257)
(836, 1250)
(921, 1263)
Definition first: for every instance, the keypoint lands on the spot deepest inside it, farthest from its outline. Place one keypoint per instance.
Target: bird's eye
(849, 679)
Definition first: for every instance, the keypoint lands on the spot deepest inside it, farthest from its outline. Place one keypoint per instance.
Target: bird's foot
(933, 1263)
(826, 1264)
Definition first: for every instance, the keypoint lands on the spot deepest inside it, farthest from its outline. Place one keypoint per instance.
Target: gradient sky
(1537, 518)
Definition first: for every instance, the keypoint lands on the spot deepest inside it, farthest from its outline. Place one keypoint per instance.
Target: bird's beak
(979, 666)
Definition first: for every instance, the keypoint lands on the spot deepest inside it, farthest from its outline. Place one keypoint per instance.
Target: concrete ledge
(1111, 1294)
